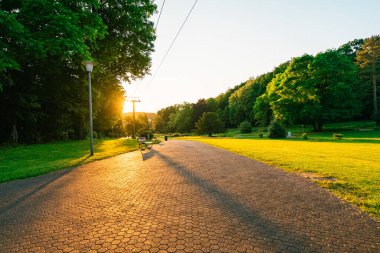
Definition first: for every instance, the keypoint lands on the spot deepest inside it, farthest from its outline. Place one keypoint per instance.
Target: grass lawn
(354, 165)
(31, 160)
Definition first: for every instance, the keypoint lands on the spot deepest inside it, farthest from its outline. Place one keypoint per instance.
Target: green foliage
(181, 121)
(311, 90)
(245, 127)
(209, 123)
(368, 58)
(276, 130)
(43, 85)
(147, 134)
(143, 123)
(351, 48)
(305, 136)
(162, 121)
(202, 106)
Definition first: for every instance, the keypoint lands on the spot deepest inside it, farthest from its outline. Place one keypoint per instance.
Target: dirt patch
(315, 177)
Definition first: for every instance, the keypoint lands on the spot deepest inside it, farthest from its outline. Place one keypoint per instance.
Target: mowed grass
(31, 160)
(355, 166)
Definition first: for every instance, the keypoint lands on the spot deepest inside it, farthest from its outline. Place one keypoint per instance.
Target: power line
(159, 15)
(155, 28)
(171, 45)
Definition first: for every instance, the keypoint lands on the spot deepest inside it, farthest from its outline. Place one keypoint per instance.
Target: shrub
(245, 127)
(63, 135)
(261, 135)
(276, 130)
(338, 136)
(305, 136)
(145, 134)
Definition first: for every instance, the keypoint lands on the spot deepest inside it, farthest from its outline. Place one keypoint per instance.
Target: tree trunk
(375, 108)
(314, 126)
(14, 134)
(317, 125)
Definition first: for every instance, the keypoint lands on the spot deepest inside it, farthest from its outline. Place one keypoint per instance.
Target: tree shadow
(38, 183)
(276, 234)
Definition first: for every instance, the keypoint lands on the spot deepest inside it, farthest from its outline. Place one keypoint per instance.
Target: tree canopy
(209, 123)
(334, 85)
(43, 87)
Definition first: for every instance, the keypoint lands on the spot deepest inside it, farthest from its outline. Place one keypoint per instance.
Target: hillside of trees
(335, 85)
(43, 83)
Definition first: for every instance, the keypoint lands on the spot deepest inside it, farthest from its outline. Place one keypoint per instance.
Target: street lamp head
(89, 66)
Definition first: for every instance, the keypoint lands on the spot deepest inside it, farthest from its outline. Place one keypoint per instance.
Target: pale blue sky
(225, 42)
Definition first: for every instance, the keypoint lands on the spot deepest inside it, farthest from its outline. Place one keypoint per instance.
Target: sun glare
(126, 107)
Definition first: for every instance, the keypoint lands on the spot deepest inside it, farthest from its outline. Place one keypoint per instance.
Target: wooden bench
(143, 143)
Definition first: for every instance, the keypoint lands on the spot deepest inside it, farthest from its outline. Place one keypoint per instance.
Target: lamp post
(89, 66)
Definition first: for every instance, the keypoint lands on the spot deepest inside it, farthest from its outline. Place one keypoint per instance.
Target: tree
(223, 105)
(245, 127)
(162, 121)
(183, 118)
(369, 61)
(43, 86)
(315, 90)
(351, 48)
(209, 123)
(201, 106)
(261, 111)
(240, 103)
(143, 123)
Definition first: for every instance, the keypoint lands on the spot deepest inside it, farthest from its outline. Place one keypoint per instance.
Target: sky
(225, 42)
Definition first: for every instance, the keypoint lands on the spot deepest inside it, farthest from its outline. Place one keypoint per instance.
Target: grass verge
(354, 166)
(31, 160)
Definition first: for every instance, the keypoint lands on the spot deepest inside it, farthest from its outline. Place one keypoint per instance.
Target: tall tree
(369, 60)
(315, 90)
(209, 123)
(182, 119)
(43, 88)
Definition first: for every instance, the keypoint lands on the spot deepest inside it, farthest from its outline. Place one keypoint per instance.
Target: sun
(126, 108)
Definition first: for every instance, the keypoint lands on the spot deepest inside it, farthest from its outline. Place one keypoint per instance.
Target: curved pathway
(180, 196)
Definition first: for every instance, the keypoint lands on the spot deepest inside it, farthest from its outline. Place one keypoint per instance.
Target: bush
(71, 134)
(146, 133)
(261, 135)
(276, 130)
(305, 136)
(63, 135)
(245, 127)
(338, 136)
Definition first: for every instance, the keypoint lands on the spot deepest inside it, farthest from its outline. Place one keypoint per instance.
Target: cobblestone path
(180, 197)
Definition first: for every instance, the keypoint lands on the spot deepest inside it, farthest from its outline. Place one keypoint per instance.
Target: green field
(350, 168)
(31, 160)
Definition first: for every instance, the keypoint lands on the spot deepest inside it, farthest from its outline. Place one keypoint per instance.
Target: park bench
(144, 143)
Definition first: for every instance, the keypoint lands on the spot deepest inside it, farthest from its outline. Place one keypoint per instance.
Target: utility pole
(134, 100)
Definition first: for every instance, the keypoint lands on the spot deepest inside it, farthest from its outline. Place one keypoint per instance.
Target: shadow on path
(148, 153)
(35, 188)
(275, 234)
